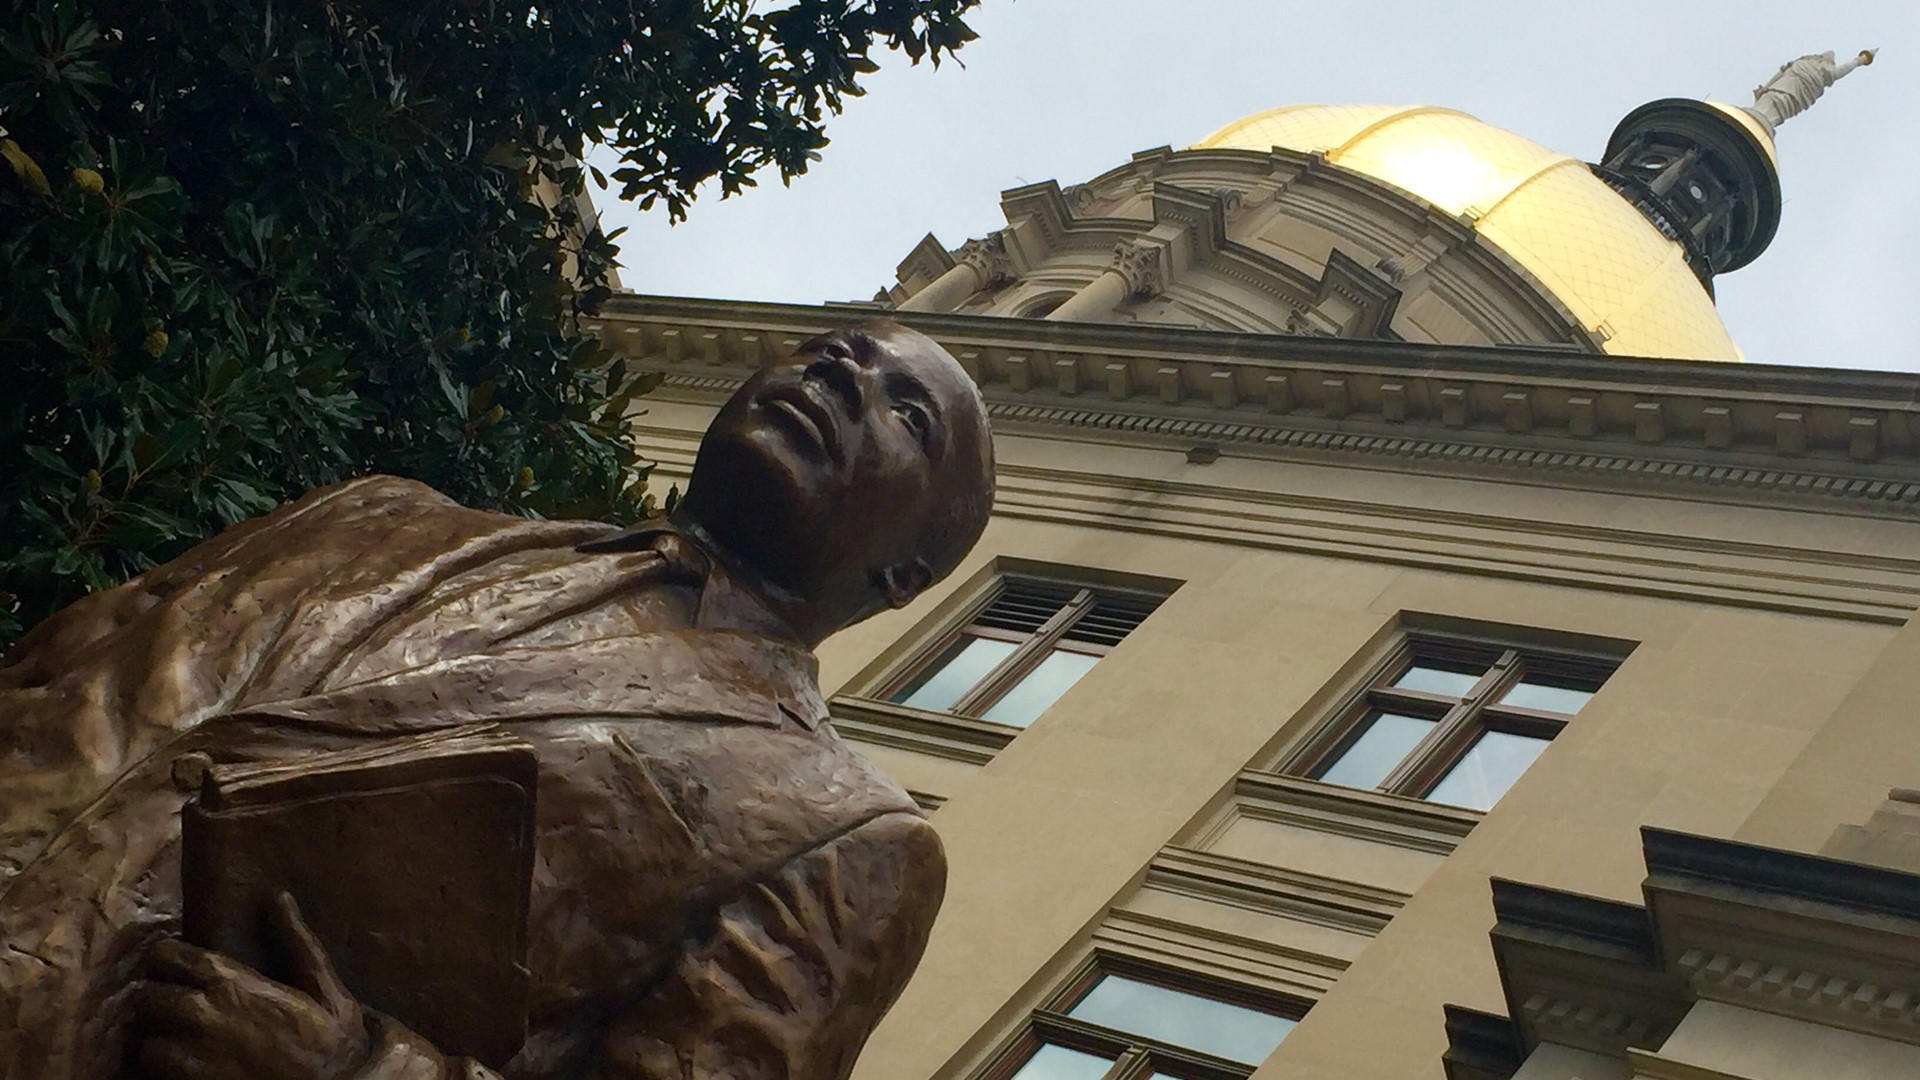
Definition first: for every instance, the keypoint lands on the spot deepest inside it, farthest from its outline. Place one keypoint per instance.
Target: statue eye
(914, 417)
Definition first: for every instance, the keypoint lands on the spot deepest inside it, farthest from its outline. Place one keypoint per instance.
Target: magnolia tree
(250, 247)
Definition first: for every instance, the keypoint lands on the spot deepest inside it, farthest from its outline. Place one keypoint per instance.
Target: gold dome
(1605, 262)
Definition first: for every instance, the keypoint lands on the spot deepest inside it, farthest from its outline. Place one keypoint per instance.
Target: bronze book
(411, 860)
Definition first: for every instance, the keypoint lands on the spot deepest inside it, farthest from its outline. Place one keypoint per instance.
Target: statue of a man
(721, 889)
(1798, 84)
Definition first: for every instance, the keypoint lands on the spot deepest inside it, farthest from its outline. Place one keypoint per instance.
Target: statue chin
(754, 488)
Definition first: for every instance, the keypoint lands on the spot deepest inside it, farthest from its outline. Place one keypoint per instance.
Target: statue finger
(175, 961)
(312, 970)
(173, 1009)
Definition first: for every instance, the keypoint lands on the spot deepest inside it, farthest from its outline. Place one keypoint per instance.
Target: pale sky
(1067, 89)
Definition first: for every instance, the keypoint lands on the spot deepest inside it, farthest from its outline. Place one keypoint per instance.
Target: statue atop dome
(1798, 84)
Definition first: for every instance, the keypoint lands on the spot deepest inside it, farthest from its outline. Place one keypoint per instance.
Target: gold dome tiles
(1672, 319)
(1314, 128)
(1449, 159)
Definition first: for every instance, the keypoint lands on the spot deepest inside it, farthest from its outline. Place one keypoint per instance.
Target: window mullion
(1437, 743)
(1451, 737)
(1059, 1028)
(1132, 1065)
(1009, 671)
(1410, 702)
(1535, 722)
(1501, 675)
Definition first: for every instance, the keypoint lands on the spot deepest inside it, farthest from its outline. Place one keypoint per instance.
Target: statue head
(848, 478)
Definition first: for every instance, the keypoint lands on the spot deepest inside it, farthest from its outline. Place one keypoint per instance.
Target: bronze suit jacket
(721, 888)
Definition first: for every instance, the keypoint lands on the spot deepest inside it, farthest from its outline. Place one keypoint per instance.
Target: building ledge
(942, 735)
(1838, 441)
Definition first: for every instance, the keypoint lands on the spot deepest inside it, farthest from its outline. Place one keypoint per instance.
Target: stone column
(1136, 270)
(981, 263)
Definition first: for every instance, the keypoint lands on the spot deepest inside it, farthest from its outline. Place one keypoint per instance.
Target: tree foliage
(249, 247)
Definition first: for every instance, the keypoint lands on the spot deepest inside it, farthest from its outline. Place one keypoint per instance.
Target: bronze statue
(720, 888)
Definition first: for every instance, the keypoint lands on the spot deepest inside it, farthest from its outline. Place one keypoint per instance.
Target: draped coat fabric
(721, 888)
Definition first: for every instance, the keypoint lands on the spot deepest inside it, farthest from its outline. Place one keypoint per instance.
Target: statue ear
(904, 581)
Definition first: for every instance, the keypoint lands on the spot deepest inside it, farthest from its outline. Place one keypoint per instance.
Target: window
(1043, 306)
(1455, 721)
(1032, 641)
(1111, 1025)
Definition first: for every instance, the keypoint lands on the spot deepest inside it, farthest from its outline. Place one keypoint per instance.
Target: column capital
(1141, 265)
(988, 257)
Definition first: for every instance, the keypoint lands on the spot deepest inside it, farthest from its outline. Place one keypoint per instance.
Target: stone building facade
(1403, 646)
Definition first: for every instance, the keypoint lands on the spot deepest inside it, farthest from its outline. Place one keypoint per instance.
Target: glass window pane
(1494, 761)
(1535, 692)
(1043, 686)
(1061, 1063)
(955, 673)
(1383, 745)
(1189, 1020)
(1453, 680)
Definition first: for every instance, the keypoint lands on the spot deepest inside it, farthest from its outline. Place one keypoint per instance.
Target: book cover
(411, 860)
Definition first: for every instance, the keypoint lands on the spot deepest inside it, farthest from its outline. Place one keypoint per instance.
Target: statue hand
(213, 1018)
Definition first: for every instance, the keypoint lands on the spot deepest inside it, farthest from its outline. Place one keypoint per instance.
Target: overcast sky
(1066, 89)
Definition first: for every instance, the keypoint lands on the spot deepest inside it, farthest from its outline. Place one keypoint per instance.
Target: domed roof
(1609, 265)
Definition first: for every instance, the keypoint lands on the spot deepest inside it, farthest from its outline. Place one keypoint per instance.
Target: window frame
(1459, 721)
(1030, 648)
(1135, 1056)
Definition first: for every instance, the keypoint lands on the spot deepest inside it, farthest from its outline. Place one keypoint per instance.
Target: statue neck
(740, 597)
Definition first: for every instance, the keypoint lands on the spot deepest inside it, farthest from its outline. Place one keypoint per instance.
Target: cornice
(1875, 588)
(1822, 439)
(1801, 936)
(1480, 1045)
(1581, 971)
(1848, 957)
(927, 261)
(1684, 862)
(1816, 994)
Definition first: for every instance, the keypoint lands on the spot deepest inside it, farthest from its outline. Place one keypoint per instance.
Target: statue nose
(841, 375)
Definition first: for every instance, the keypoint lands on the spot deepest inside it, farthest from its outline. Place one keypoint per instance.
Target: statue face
(842, 461)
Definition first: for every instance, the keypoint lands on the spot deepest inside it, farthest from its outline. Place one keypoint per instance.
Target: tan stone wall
(1767, 699)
